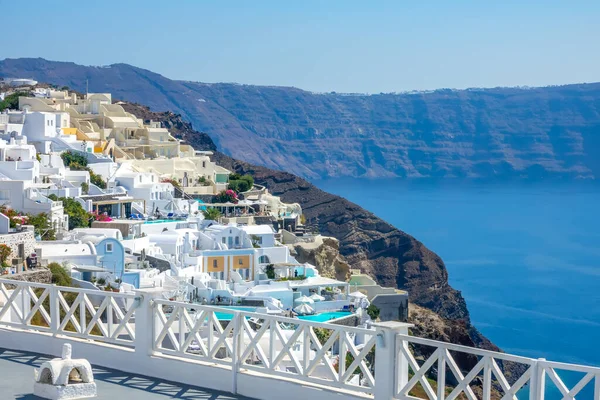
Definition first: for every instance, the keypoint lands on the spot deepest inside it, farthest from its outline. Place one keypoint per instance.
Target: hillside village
(123, 205)
(121, 239)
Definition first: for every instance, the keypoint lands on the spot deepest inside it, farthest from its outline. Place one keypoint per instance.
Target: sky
(366, 46)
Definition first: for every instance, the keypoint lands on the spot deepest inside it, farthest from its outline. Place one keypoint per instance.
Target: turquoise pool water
(326, 316)
(158, 221)
(224, 315)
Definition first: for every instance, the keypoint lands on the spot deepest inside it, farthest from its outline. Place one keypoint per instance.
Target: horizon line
(405, 92)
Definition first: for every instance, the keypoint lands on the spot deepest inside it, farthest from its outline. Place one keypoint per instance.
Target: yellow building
(221, 263)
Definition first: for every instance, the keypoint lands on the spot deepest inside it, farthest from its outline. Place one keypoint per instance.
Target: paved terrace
(16, 382)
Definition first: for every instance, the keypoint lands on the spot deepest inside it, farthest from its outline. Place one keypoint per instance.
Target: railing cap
(392, 325)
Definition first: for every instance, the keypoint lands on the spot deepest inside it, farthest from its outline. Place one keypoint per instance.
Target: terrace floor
(16, 382)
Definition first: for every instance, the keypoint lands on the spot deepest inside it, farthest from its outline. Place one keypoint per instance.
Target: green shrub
(270, 271)
(74, 161)
(97, 180)
(11, 101)
(60, 276)
(373, 312)
(240, 183)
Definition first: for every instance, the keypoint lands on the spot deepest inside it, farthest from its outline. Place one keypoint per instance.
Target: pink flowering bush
(100, 217)
(226, 196)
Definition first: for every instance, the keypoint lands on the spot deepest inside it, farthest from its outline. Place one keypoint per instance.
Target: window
(215, 264)
(109, 247)
(240, 261)
(224, 239)
(263, 260)
(237, 240)
(203, 164)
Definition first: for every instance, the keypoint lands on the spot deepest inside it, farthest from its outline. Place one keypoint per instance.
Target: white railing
(278, 346)
(103, 316)
(381, 363)
(438, 376)
(88, 314)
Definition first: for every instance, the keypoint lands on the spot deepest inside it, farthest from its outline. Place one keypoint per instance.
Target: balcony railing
(385, 362)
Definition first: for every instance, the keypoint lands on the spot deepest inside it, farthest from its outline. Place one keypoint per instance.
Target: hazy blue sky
(328, 45)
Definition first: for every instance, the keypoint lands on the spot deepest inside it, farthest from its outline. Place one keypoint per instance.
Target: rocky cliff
(495, 133)
(324, 253)
(365, 241)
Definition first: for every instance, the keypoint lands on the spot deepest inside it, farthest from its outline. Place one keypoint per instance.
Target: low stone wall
(13, 240)
(161, 265)
(39, 275)
(350, 320)
(392, 307)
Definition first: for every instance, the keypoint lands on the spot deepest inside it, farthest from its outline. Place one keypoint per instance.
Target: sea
(526, 256)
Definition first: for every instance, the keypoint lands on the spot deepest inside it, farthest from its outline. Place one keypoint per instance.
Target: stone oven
(65, 378)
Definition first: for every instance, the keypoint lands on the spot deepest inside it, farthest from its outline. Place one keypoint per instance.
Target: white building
(261, 235)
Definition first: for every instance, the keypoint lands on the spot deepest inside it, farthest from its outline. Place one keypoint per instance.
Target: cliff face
(501, 133)
(393, 257)
(324, 253)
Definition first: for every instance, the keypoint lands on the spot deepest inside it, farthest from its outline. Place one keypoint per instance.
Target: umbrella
(315, 297)
(304, 309)
(304, 300)
(358, 295)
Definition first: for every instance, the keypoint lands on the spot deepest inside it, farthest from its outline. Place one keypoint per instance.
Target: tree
(270, 271)
(42, 226)
(71, 159)
(85, 187)
(211, 213)
(373, 312)
(11, 101)
(78, 217)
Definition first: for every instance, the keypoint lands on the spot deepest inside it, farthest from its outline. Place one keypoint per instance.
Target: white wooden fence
(88, 314)
(273, 345)
(381, 363)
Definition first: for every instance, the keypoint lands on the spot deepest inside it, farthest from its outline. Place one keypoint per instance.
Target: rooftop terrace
(16, 369)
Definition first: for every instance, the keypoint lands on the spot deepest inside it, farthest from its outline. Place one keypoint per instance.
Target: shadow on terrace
(16, 369)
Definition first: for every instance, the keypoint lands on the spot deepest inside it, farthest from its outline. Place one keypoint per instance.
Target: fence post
(537, 381)
(54, 310)
(235, 349)
(144, 326)
(391, 367)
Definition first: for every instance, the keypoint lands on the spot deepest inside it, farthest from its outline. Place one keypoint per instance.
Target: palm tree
(211, 213)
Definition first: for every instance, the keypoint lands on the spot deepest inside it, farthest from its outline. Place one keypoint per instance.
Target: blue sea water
(526, 256)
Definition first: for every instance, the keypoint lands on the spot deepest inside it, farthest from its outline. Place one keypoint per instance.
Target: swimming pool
(326, 316)
(226, 316)
(158, 221)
